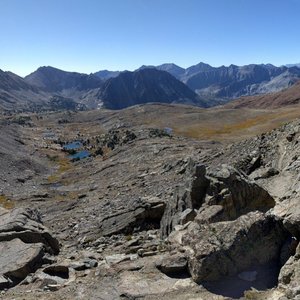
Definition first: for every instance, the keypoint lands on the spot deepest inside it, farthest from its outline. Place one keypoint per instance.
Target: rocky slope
(290, 96)
(16, 93)
(150, 214)
(55, 80)
(69, 84)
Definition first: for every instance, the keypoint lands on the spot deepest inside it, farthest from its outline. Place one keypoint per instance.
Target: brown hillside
(283, 98)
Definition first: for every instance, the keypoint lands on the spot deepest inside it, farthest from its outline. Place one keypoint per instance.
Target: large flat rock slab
(25, 225)
(23, 242)
(18, 259)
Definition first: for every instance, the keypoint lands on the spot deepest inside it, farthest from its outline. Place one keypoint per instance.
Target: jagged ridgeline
(201, 85)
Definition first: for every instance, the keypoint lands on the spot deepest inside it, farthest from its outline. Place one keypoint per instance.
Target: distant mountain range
(227, 83)
(201, 85)
(118, 91)
(293, 65)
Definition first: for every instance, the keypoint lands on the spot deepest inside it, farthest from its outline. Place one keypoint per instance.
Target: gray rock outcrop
(188, 196)
(290, 212)
(26, 225)
(226, 248)
(236, 194)
(219, 218)
(23, 243)
(221, 195)
(175, 265)
(140, 215)
(289, 277)
(18, 259)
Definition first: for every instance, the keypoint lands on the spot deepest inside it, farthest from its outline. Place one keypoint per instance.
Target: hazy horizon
(88, 36)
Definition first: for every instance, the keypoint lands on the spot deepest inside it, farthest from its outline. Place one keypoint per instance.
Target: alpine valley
(161, 183)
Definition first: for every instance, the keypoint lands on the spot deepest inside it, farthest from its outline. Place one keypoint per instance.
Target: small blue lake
(73, 146)
(168, 130)
(80, 155)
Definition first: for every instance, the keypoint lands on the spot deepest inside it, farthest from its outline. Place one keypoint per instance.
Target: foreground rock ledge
(226, 248)
(223, 194)
(18, 259)
(23, 243)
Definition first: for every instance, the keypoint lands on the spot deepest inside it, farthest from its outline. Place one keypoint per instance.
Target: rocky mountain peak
(143, 86)
(55, 80)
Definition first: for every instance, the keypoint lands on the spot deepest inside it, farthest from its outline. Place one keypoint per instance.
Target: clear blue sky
(90, 35)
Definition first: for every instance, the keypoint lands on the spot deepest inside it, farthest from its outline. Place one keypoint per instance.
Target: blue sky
(91, 35)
